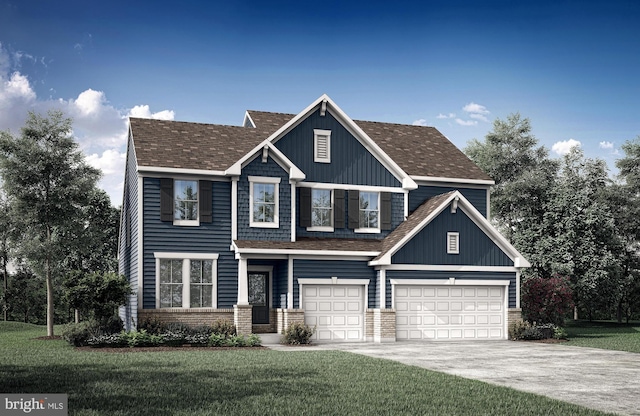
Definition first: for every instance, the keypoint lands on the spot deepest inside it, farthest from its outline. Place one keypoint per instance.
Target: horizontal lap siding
(278, 277)
(429, 246)
(423, 274)
(342, 269)
(214, 237)
(477, 197)
(351, 162)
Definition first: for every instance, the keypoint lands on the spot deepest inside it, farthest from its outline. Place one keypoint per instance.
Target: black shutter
(166, 199)
(338, 208)
(205, 201)
(354, 209)
(385, 210)
(305, 207)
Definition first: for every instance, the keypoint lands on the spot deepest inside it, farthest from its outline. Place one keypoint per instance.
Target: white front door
(337, 311)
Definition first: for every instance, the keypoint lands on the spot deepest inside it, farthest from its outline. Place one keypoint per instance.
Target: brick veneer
(242, 319)
(513, 314)
(384, 325)
(192, 317)
(286, 317)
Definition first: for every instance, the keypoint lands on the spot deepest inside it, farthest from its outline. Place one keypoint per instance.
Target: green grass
(605, 335)
(247, 382)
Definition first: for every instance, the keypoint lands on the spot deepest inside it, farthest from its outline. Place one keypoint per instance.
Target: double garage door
(337, 311)
(426, 312)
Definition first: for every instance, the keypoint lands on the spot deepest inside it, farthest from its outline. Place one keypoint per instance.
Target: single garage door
(337, 311)
(449, 313)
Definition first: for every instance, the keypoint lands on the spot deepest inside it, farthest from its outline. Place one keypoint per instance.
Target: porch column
(382, 279)
(243, 282)
(290, 283)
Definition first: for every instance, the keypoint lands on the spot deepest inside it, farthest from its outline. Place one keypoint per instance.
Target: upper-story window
(263, 201)
(186, 201)
(369, 210)
(321, 209)
(322, 146)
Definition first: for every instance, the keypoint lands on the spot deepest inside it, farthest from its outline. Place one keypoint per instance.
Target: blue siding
(397, 216)
(207, 238)
(351, 162)
(342, 269)
(429, 246)
(128, 244)
(477, 197)
(402, 274)
(273, 170)
(278, 280)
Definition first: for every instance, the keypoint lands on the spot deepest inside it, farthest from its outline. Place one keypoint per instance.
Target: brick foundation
(191, 317)
(513, 314)
(286, 317)
(242, 319)
(384, 325)
(368, 325)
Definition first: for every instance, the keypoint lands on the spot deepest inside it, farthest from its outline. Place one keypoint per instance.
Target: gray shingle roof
(321, 244)
(418, 150)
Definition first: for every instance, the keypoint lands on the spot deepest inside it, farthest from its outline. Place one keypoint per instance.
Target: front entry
(259, 297)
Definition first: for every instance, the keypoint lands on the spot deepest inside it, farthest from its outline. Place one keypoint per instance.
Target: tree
(546, 300)
(7, 228)
(25, 297)
(46, 175)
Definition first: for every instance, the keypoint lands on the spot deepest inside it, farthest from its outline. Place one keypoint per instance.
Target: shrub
(546, 300)
(253, 340)
(217, 340)
(178, 328)
(153, 326)
(223, 327)
(524, 330)
(111, 340)
(78, 334)
(298, 333)
(172, 339)
(140, 339)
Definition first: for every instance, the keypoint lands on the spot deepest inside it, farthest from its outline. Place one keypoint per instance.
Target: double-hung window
(263, 201)
(369, 210)
(321, 209)
(186, 280)
(185, 201)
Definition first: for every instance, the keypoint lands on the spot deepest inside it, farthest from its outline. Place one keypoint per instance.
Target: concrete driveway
(599, 379)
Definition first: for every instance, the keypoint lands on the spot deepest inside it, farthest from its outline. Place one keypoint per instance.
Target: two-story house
(365, 230)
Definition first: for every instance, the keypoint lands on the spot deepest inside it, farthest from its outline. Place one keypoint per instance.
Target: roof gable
(429, 211)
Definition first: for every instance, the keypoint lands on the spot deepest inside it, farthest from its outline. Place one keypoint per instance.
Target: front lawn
(242, 382)
(605, 335)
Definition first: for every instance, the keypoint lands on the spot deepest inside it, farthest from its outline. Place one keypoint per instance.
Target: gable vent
(453, 243)
(322, 146)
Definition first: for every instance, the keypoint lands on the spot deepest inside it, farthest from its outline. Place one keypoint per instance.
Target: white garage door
(449, 313)
(337, 311)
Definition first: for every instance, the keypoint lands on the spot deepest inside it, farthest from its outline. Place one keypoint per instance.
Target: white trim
(179, 256)
(298, 252)
(406, 205)
(276, 196)
(290, 282)
(243, 282)
(367, 230)
(293, 211)
(331, 281)
(449, 268)
(234, 208)
(200, 172)
(354, 129)
(321, 229)
(247, 116)
(294, 172)
(445, 180)
(449, 282)
(186, 223)
(140, 240)
(347, 187)
(453, 237)
(317, 134)
(186, 276)
(382, 277)
(518, 289)
(264, 269)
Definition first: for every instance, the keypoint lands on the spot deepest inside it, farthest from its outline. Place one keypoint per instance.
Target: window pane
(196, 293)
(196, 271)
(165, 271)
(165, 296)
(207, 296)
(207, 271)
(176, 296)
(369, 210)
(176, 271)
(186, 200)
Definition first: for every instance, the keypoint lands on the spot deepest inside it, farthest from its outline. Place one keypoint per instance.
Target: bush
(153, 326)
(217, 340)
(78, 334)
(524, 330)
(546, 300)
(172, 339)
(253, 340)
(111, 341)
(223, 327)
(140, 339)
(297, 334)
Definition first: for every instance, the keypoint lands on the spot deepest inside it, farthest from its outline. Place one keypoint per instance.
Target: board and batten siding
(128, 239)
(436, 275)
(429, 246)
(325, 269)
(270, 169)
(477, 197)
(214, 237)
(351, 162)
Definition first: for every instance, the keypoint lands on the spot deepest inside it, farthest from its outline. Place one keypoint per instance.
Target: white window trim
(321, 133)
(456, 236)
(276, 196)
(186, 270)
(369, 230)
(186, 223)
(323, 228)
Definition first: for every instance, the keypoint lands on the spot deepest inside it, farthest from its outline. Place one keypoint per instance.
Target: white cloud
(466, 122)
(420, 122)
(606, 145)
(475, 108)
(100, 128)
(479, 117)
(142, 111)
(564, 147)
(450, 115)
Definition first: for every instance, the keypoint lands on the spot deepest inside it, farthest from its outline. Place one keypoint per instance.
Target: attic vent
(322, 146)
(453, 243)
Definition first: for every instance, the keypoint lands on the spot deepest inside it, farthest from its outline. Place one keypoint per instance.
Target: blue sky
(571, 67)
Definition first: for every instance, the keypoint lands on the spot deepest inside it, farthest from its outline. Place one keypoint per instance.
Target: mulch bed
(125, 350)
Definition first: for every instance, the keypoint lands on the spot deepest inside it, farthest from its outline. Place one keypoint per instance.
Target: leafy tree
(546, 300)
(46, 175)
(7, 227)
(25, 297)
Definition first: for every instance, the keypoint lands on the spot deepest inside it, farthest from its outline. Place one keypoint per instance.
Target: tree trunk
(77, 316)
(50, 310)
(4, 286)
(575, 313)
